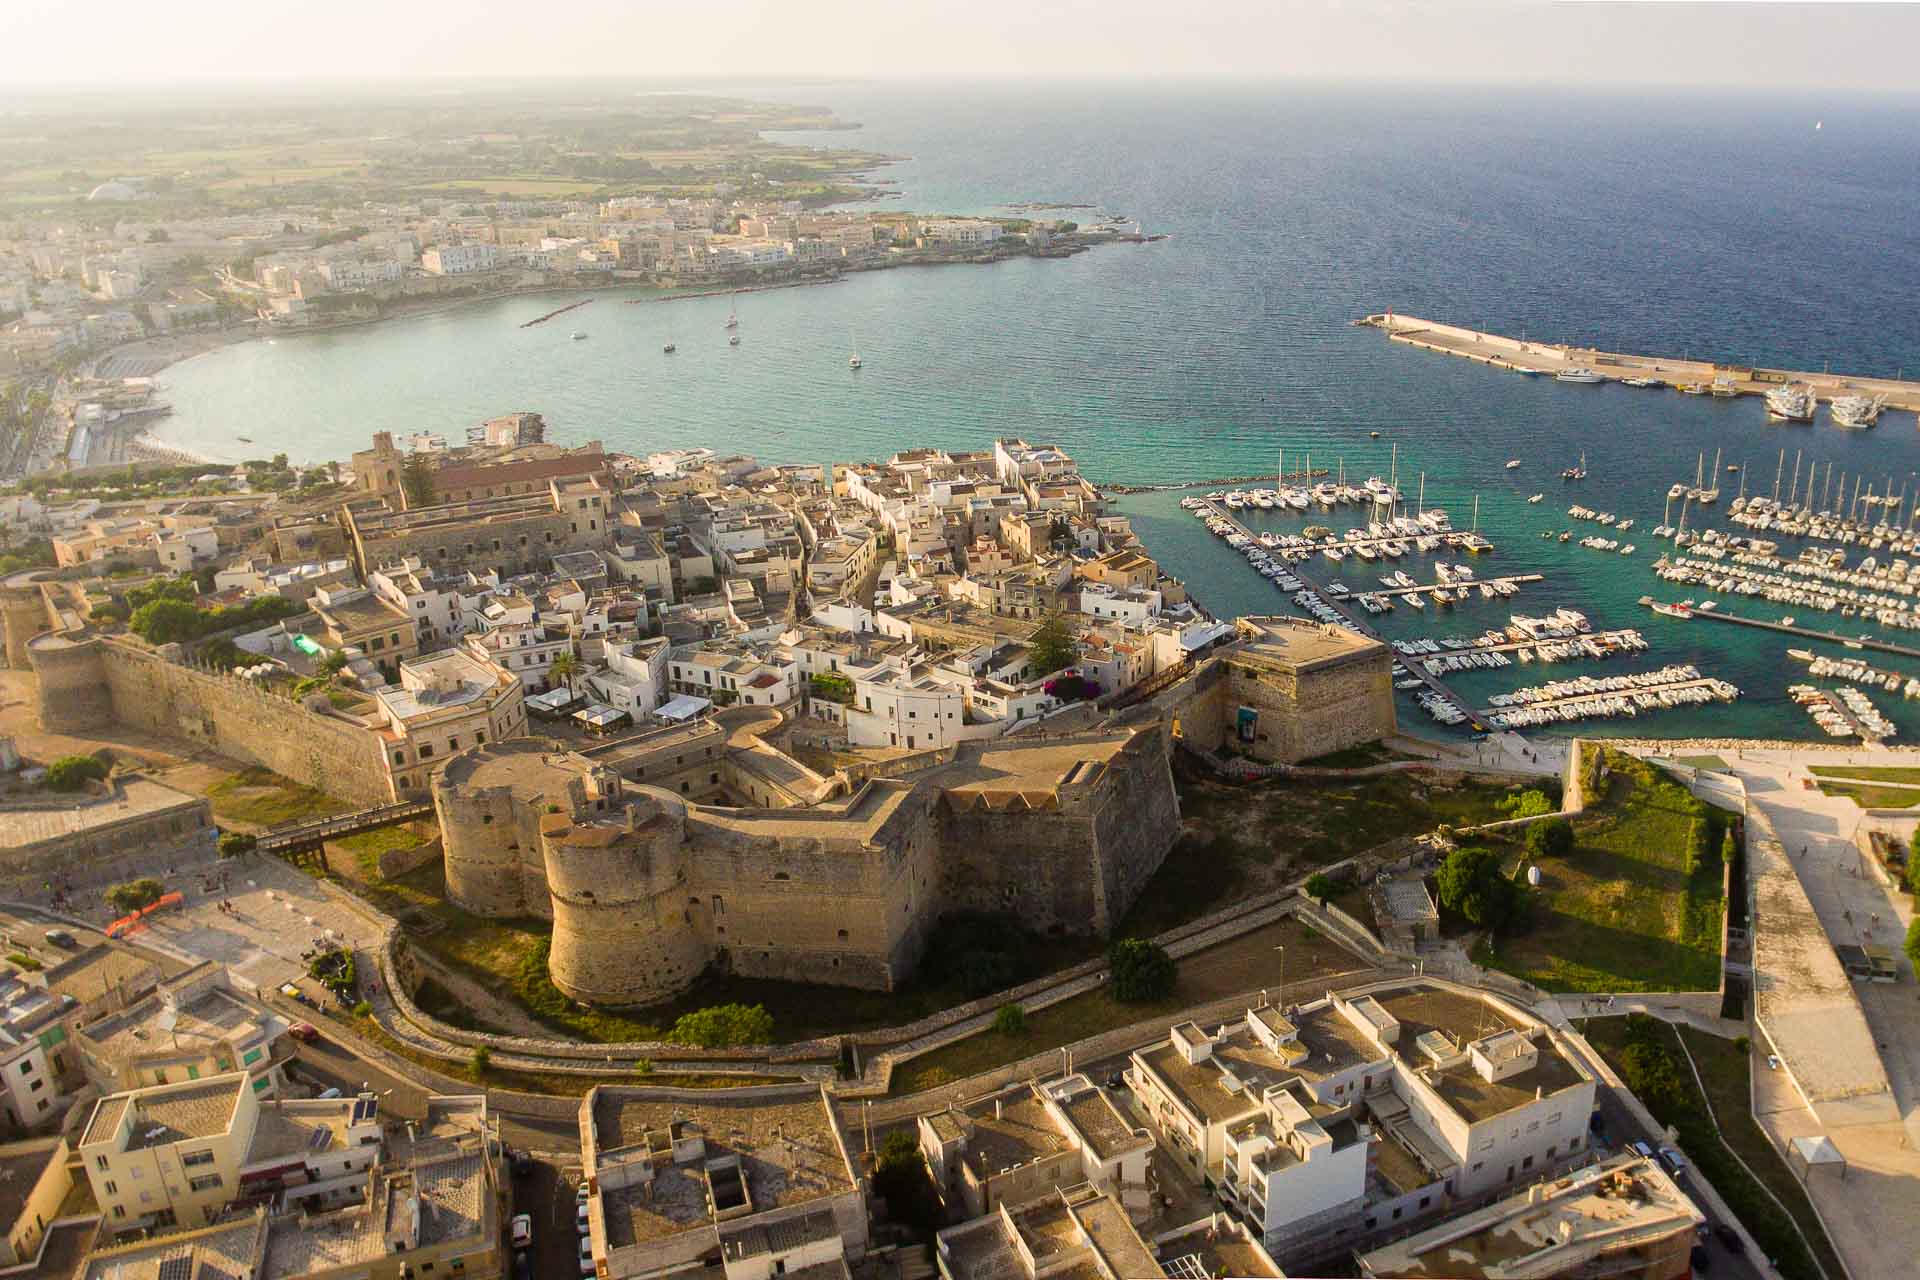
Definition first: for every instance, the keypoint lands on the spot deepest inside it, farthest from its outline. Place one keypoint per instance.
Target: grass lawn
(1723, 1069)
(1702, 762)
(1867, 773)
(1870, 797)
(265, 799)
(365, 849)
(1244, 964)
(1240, 840)
(1621, 913)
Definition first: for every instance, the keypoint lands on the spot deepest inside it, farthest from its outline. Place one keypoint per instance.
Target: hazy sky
(118, 42)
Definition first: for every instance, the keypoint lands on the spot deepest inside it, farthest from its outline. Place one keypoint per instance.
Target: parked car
(328, 1094)
(586, 1256)
(580, 1217)
(61, 938)
(1641, 1149)
(1672, 1158)
(304, 1032)
(522, 1230)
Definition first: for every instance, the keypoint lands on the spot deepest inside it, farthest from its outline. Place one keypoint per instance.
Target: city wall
(89, 682)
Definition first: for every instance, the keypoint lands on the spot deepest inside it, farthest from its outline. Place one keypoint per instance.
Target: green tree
(1142, 970)
(167, 621)
(721, 1025)
(1471, 882)
(1550, 838)
(72, 773)
(900, 1178)
(1526, 804)
(416, 479)
(135, 895)
(1913, 943)
(1010, 1020)
(333, 664)
(1051, 647)
(1319, 888)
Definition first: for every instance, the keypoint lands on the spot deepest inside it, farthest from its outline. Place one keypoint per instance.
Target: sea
(1778, 228)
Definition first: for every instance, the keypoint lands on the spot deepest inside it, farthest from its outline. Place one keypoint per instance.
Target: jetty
(1851, 642)
(559, 311)
(1522, 355)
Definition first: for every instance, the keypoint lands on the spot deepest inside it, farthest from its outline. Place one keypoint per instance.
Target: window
(1527, 1163)
(112, 1188)
(426, 751)
(193, 1159)
(100, 1162)
(251, 1056)
(207, 1183)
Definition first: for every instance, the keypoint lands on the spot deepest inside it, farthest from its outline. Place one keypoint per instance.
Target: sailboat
(853, 361)
(733, 321)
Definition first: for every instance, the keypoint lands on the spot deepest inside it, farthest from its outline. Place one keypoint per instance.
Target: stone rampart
(244, 722)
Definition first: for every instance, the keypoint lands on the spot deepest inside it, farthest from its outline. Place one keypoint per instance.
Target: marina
(1858, 672)
(1603, 697)
(1843, 713)
(1687, 612)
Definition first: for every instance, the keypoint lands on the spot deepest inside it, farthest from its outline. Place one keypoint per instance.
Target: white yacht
(1791, 403)
(1538, 497)
(1854, 411)
(1513, 464)
(1580, 374)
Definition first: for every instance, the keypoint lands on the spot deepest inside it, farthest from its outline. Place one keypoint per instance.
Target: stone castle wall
(89, 682)
(1312, 712)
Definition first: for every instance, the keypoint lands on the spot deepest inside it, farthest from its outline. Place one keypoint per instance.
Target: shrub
(364, 1009)
(900, 1178)
(1526, 804)
(1142, 970)
(643, 1066)
(235, 843)
(21, 960)
(1913, 943)
(71, 773)
(135, 895)
(1319, 888)
(721, 1025)
(1729, 847)
(480, 1059)
(1550, 838)
(1011, 1020)
(1471, 882)
(1742, 1045)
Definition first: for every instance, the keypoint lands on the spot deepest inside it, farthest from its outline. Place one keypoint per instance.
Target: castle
(661, 855)
(652, 873)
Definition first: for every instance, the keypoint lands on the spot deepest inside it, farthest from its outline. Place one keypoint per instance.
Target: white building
(361, 273)
(635, 679)
(459, 259)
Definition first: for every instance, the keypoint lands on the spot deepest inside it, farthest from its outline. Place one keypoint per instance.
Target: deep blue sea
(1661, 222)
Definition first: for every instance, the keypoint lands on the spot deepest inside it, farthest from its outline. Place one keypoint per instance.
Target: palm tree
(565, 667)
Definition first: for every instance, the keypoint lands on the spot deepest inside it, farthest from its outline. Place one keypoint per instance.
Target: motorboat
(1854, 411)
(1579, 374)
(1513, 464)
(1791, 403)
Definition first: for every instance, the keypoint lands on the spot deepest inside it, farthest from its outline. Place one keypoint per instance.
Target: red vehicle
(304, 1032)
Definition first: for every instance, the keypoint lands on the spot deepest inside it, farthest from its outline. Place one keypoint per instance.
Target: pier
(1524, 356)
(1551, 704)
(1620, 641)
(1851, 642)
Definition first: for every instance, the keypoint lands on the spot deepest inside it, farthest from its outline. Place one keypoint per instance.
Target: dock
(1851, 642)
(1343, 607)
(1621, 638)
(1549, 704)
(1524, 356)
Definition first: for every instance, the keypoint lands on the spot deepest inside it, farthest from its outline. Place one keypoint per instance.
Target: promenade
(1523, 356)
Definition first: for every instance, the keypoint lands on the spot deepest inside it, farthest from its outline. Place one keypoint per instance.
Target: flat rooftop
(789, 1150)
(169, 1113)
(21, 1164)
(1465, 1019)
(1100, 1123)
(150, 1026)
(1295, 643)
(226, 1250)
(1022, 1132)
(63, 816)
(1327, 1045)
(1625, 1204)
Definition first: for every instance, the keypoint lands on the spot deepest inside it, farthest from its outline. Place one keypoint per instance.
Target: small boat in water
(1513, 464)
(579, 335)
(1538, 497)
(1577, 374)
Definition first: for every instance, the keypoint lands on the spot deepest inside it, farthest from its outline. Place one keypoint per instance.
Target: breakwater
(559, 311)
(1521, 355)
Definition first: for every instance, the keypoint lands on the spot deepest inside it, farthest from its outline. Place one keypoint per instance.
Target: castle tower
(74, 694)
(23, 613)
(376, 471)
(489, 801)
(623, 932)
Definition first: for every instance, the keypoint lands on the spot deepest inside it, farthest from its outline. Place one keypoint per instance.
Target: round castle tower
(490, 801)
(622, 931)
(23, 613)
(74, 694)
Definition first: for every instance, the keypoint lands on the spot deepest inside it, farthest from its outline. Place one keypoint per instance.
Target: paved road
(1617, 1128)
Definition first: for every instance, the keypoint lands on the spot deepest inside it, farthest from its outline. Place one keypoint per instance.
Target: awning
(599, 716)
(1818, 1149)
(684, 707)
(552, 702)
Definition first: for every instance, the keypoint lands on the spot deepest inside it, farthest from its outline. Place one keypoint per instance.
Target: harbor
(1591, 365)
(1843, 713)
(1858, 672)
(1599, 697)
(1686, 612)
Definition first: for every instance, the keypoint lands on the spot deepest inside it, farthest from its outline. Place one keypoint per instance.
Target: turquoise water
(1290, 213)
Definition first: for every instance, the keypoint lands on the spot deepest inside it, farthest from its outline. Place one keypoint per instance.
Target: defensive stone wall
(1313, 711)
(88, 682)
